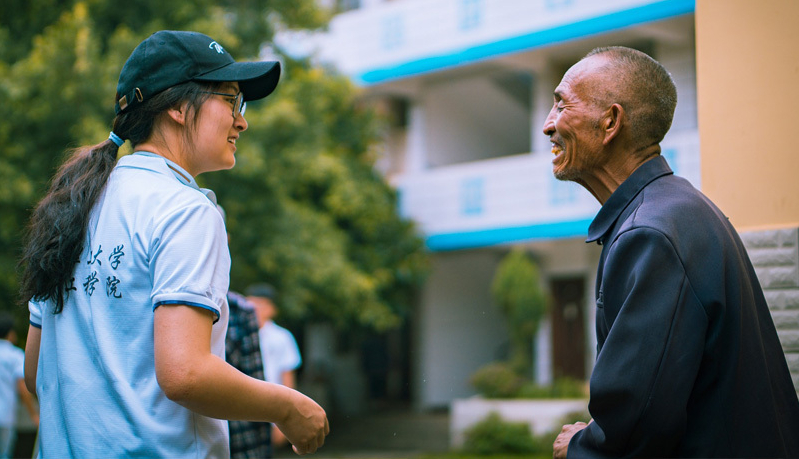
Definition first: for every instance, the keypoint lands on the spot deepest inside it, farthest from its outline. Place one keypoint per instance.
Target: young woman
(126, 270)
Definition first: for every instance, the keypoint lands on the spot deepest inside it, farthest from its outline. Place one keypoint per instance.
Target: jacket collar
(624, 194)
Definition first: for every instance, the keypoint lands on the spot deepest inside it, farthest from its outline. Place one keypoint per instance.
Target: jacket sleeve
(654, 330)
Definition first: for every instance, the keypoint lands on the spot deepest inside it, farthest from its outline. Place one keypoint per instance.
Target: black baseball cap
(168, 58)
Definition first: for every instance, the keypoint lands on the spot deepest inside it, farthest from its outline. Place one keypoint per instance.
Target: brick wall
(775, 255)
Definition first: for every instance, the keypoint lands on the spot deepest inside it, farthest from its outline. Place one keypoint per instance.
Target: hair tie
(116, 139)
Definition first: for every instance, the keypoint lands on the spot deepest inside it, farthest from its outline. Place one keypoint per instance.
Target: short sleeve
(291, 359)
(190, 261)
(35, 309)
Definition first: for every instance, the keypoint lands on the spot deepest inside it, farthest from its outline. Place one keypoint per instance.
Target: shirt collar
(624, 194)
(180, 174)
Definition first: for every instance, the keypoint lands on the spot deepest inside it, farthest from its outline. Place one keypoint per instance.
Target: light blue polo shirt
(154, 239)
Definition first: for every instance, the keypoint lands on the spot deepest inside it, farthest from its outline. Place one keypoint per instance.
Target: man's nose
(549, 124)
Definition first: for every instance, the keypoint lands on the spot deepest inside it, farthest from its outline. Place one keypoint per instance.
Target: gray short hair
(644, 88)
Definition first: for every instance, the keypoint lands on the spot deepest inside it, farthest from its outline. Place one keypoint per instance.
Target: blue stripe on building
(601, 24)
(485, 238)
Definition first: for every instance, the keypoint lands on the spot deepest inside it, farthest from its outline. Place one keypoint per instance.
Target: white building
(469, 84)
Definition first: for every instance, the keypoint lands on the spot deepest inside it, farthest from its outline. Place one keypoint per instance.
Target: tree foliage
(516, 288)
(305, 209)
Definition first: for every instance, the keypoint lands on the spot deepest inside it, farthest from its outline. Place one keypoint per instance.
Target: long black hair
(57, 229)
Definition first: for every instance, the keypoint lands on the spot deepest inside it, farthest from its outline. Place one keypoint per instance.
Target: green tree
(305, 209)
(516, 288)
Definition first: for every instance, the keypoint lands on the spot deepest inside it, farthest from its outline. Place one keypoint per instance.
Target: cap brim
(256, 79)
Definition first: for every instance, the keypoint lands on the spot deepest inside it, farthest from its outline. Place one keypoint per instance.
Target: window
(471, 14)
(393, 32)
(472, 196)
(552, 5)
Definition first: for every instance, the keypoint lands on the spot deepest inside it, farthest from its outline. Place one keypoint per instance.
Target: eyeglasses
(239, 106)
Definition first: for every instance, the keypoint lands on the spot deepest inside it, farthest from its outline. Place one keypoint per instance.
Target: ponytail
(58, 224)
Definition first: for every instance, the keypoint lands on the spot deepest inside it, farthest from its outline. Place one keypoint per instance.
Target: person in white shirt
(12, 386)
(279, 349)
(126, 270)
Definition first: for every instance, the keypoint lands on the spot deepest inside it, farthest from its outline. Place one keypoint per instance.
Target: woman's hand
(306, 425)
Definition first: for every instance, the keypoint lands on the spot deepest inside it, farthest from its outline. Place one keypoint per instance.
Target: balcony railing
(513, 198)
(394, 40)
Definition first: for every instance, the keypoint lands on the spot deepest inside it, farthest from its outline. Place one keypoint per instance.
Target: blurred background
(397, 190)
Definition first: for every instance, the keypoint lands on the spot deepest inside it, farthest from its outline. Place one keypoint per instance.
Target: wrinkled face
(573, 124)
(217, 131)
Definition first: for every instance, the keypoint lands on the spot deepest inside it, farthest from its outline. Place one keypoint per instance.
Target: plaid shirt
(243, 351)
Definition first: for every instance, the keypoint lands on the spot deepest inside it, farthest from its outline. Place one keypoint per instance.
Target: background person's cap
(168, 58)
(262, 290)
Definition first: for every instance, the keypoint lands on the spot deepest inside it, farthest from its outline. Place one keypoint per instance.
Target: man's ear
(178, 113)
(612, 122)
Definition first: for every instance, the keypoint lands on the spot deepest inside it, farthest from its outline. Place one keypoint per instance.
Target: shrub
(497, 380)
(500, 380)
(560, 388)
(494, 435)
(497, 437)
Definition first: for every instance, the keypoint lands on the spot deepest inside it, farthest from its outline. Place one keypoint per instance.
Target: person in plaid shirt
(243, 351)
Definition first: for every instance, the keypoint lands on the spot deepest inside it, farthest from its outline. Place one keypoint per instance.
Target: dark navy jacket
(688, 362)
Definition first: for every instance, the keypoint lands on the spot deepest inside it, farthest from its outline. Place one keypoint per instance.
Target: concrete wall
(459, 329)
(471, 119)
(542, 416)
(775, 255)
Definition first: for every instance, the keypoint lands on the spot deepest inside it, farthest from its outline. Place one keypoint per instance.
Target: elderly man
(689, 363)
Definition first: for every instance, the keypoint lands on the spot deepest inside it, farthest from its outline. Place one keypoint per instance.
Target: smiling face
(216, 133)
(573, 124)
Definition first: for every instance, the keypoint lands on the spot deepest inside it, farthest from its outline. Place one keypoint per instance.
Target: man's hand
(561, 445)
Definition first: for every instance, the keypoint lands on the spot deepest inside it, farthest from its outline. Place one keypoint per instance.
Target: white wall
(680, 61)
(472, 119)
(545, 83)
(460, 329)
